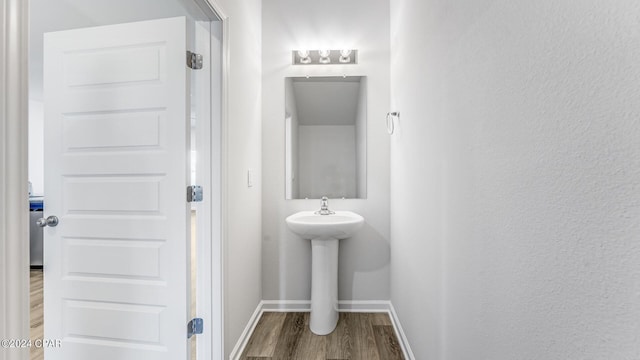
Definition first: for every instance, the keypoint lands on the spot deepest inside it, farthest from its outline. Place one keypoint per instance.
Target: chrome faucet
(324, 207)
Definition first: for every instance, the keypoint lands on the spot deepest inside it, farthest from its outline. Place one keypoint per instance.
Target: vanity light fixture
(324, 57)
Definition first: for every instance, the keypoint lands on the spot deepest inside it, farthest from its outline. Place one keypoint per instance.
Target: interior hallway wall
(515, 176)
(364, 258)
(36, 146)
(242, 241)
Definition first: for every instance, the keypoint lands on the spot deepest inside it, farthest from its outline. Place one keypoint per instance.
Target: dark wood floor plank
(339, 341)
(310, 346)
(364, 343)
(265, 336)
(289, 337)
(387, 343)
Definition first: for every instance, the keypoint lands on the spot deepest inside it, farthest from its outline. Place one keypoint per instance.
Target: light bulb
(324, 56)
(304, 56)
(344, 56)
(324, 53)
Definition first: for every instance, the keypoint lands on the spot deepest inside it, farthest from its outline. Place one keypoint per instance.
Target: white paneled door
(116, 141)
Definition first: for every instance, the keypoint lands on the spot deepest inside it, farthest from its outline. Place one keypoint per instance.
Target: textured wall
(528, 115)
(416, 172)
(364, 258)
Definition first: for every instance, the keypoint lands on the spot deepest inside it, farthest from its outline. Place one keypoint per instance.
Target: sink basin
(310, 225)
(324, 231)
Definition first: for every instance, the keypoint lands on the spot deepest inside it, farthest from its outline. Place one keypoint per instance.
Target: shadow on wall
(366, 252)
(363, 263)
(294, 266)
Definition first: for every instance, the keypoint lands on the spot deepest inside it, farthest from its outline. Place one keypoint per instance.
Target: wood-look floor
(37, 319)
(278, 335)
(358, 336)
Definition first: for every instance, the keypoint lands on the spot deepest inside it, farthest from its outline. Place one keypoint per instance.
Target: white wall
(36, 146)
(364, 259)
(416, 177)
(515, 177)
(242, 245)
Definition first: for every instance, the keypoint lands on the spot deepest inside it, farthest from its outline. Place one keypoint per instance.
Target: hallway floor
(36, 322)
(358, 336)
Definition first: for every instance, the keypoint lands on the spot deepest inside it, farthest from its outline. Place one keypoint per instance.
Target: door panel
(116, 151)
(117, 131)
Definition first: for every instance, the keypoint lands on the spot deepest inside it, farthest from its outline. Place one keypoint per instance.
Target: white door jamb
(14, 206)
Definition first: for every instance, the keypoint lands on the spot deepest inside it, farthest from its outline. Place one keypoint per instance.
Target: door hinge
(194, 327)
(194, 61)
(194, 193)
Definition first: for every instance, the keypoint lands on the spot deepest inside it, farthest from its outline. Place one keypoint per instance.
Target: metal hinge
(194, 327)
(194, 61)
(194, 193)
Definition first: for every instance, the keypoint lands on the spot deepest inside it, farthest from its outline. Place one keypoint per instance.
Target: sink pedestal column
(324, 286)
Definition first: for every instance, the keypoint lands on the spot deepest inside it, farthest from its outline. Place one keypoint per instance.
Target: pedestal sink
(324, 231)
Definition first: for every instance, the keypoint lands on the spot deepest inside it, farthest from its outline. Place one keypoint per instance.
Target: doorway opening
(204, 35)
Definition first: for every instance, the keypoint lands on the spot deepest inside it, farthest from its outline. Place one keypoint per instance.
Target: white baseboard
(343, 305)
(404, 342)
(305, 306)
(286, 305)
(370, 306)
(246, 333)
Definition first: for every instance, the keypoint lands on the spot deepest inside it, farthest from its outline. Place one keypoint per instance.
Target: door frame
(14, 214)
(14, 210)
